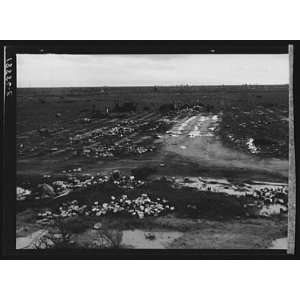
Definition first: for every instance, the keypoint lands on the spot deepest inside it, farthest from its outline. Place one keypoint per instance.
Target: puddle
(224, 186)
(28, 242)
(212, 185)
(279, 244)
(263, 184)
(262, 191)
(139, 239)
(156, 239)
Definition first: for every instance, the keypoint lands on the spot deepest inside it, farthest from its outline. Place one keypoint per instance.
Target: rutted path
(195, 138)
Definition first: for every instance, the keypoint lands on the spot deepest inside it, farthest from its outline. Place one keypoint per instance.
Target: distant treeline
(155, 89)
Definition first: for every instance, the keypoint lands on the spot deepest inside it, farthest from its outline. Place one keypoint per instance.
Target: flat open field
(152, 167)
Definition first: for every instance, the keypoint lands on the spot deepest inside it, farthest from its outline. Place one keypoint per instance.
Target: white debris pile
(139, 207)
(109, 142)
(22, 193)
(61, 187)
(70, 209)
(114, 150)
(272, 209)
(128, 182)
(251, 146)
(76, 182)
(272, 195)
(118, 130)
(139, 149)
(100, 151)
(271, 201)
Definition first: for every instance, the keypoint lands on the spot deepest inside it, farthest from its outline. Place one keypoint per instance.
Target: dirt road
(195, 138)
(190, 148)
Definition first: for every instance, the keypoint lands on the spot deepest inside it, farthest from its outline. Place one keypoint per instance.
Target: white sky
(57, 70)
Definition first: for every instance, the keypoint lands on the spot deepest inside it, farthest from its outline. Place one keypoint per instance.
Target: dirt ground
(171, 232)
(191, 144)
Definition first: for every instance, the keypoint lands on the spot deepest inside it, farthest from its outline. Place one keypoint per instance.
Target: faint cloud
(145, 69)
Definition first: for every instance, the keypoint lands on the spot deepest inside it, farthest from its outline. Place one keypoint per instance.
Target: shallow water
(137, 239)
(279, 244)
(222, 185)
(28, 242)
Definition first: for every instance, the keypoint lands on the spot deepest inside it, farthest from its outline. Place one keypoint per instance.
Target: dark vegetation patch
(241, 234)
(76, 224)
(188, 202)
(143, 172)
(262, 126)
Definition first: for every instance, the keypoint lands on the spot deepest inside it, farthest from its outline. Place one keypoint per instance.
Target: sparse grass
(238, 234)
(266, 126)
(42, 105)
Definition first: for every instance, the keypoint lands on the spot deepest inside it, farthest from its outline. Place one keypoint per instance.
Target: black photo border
(8, 136)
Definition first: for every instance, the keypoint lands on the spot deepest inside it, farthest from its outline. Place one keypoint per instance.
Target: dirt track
(195, 139)
(190, 148)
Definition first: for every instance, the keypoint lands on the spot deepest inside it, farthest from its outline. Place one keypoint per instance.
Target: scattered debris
(46, 191)
(251, 146)
(97, 226)
(150, 236)
(138, 239)
(263, 198)
(139, 207)
(75, 181)
(22, 193)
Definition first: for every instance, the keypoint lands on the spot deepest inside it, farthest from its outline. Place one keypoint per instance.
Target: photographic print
(152, 151)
